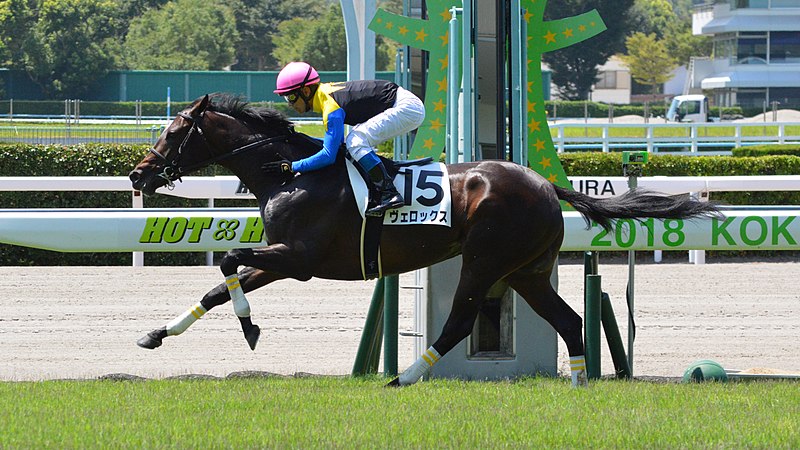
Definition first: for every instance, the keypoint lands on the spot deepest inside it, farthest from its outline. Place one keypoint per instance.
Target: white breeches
(406, 115)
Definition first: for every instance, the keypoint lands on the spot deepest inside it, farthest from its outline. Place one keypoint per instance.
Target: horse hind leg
(470, 295)
(537, 291)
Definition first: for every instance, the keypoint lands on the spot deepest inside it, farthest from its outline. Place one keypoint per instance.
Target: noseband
(174, 171)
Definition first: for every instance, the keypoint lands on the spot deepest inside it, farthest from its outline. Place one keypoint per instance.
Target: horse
(506, 223)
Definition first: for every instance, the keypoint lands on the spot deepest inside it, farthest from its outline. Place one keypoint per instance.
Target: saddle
(371, 226)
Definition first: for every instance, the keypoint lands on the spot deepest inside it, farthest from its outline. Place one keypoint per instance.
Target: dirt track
(83, 322)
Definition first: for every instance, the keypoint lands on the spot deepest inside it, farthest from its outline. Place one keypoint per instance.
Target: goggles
(291, 97)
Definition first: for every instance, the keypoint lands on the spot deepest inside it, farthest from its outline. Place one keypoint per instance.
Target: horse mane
(258, 117)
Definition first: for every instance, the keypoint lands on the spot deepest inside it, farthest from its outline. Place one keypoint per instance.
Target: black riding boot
(389, 197)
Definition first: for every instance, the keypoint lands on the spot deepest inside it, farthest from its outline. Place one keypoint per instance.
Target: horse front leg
(250, 280)
(265, 259)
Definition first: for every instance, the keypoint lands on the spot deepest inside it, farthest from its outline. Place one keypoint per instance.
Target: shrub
(768, 149)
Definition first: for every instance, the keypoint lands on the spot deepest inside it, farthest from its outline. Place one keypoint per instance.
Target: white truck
(688, 108)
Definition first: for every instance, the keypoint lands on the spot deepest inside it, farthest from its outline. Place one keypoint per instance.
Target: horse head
(168, 159)
(213, 129)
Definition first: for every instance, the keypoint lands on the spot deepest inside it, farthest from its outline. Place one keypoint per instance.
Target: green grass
(361, 413)
(61, 125)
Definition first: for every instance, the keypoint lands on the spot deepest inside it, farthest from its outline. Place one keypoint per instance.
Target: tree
(681, 43)
(182, 35)
(652, 16)
(574, 68)
(648, 60)
(321, 42)
(17, 18)
(671, 21)
(70, 44)
(257, 22)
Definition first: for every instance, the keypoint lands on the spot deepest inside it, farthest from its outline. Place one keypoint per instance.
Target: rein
(172, 171)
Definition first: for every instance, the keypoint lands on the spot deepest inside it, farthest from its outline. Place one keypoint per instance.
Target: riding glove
(283, 167)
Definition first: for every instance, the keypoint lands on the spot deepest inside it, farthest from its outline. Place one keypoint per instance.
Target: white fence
(214, 229)
(673, 138)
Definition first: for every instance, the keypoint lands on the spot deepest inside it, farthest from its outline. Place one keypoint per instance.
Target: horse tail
(636, 204)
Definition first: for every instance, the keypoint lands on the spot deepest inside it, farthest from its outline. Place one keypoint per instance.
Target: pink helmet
(294, 76)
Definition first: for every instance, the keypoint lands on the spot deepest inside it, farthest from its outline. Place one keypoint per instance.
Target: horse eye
(170, 136)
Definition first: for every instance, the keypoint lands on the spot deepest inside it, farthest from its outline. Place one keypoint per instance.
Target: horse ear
(203, 104)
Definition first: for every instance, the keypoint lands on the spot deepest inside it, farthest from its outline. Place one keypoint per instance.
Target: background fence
(686, 138)
(80, 135)
(152, 85)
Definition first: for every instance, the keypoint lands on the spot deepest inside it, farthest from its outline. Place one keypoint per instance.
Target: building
(613, 83)
(756, 56)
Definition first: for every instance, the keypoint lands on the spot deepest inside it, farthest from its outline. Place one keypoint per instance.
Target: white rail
(220, 229)
(673, 138)
(229, 187)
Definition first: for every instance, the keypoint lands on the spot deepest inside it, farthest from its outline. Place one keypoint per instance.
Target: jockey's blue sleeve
(334, 136)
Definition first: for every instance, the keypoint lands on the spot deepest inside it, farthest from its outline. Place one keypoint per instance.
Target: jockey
(378, 111)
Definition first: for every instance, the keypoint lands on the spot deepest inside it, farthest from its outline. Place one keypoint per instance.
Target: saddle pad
(426, 188)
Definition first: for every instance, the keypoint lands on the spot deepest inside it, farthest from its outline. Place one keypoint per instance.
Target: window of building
(784, 4)
(749, 4)
(751, 98)
(724, 45)
(751, 48)
(786, 97)
(760, 4)
(606, 80)
(784, 47)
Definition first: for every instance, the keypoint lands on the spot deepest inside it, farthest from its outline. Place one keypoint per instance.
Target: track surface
(83, 322)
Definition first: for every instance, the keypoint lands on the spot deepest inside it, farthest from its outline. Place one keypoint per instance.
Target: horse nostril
(135, 176)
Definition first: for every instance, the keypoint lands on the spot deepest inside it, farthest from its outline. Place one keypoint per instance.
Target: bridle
(174, 171)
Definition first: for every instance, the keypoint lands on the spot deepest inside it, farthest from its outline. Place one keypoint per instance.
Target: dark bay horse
(506, 224)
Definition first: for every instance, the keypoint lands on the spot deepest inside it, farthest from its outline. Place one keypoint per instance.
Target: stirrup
(395, 201)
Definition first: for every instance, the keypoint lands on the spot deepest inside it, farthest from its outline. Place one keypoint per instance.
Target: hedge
(118, 160)
(767, 149)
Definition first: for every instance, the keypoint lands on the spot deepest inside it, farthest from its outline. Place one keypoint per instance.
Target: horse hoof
(150, 340)
(252, 334)
(394, 383)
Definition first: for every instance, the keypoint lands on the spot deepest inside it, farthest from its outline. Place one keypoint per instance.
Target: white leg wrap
(179, 324)
(240, 305)
(420, 367)
(577, 365)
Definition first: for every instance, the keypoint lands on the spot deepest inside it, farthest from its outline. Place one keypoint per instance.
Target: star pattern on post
(431, 35)
(442, 84)
(439, 106)
(543, 36)
(546, 36)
